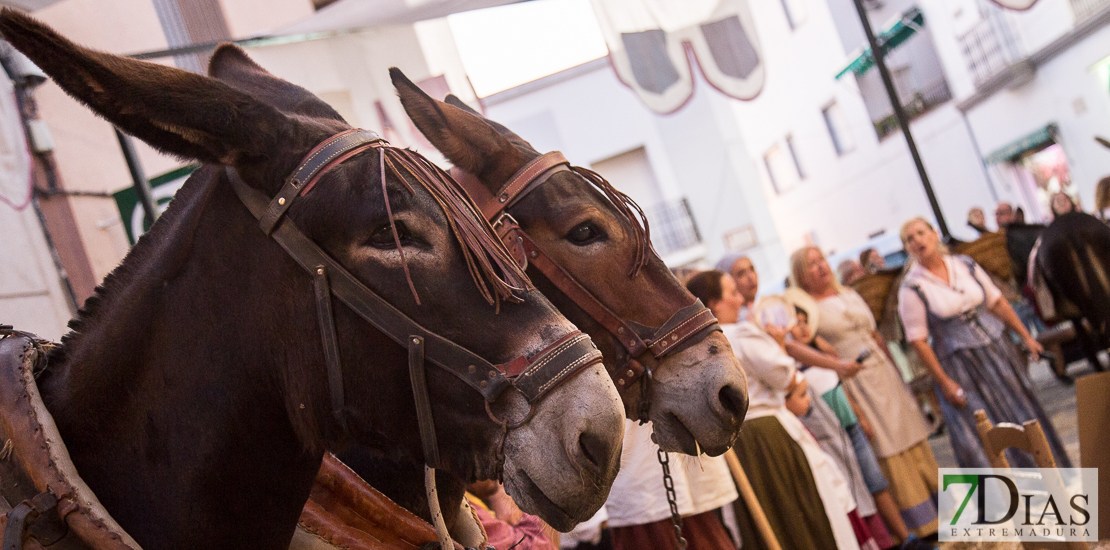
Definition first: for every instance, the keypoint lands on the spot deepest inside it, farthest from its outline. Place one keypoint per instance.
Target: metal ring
(514, 425)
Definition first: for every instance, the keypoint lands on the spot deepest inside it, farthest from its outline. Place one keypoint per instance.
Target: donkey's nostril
(594, 449)
(734, 401)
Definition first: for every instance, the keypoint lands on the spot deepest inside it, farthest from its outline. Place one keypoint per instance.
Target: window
(838, 129)
(794, 157)
(782, 170)
(795, 12)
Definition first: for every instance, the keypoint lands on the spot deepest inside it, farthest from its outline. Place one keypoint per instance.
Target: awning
(892, 36)
(1032, 141)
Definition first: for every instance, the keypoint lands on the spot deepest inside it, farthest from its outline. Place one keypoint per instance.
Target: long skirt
(994, 379)
(701, 531)
(783, 484)
(913, 486)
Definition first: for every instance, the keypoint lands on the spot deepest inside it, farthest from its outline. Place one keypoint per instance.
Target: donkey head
(387, 228)
(698, 396)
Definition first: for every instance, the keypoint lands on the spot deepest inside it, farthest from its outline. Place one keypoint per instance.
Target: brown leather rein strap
(527, 178)
(686, 323)
(533, 377)
(683, 325)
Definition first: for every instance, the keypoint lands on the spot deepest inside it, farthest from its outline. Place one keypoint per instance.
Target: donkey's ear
(176, 111)
(464, 138)
(454, 101)
(231, 65)
(520, 142)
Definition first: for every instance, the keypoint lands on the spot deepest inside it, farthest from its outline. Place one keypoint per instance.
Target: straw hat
(774, 311)
(802, 300)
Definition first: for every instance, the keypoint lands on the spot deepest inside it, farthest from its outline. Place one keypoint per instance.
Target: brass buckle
(504, 220)
(503, 227)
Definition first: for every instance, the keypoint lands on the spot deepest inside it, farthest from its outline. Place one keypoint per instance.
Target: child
(798, 400)
(841, 433)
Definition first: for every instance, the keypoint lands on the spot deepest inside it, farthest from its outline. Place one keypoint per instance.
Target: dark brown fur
(192, 394)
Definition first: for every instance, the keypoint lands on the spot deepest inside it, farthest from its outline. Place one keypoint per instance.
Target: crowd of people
(834, 445)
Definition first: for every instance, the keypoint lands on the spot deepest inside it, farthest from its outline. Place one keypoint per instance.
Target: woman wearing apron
(896, 428)
(974, 362)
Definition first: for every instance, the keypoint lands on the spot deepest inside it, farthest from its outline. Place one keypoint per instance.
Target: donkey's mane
(150, 248)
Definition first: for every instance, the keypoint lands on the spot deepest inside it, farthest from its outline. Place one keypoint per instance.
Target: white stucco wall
(697, 152)
(31, 294)
(873, 187)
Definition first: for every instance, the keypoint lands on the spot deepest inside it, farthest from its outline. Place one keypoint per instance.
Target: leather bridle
(532, 376)
(685, 327)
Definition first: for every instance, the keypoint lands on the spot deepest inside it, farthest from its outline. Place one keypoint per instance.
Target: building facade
(1005, 106)
(690, 171)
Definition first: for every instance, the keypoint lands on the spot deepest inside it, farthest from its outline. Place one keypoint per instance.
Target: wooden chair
(1030, 438)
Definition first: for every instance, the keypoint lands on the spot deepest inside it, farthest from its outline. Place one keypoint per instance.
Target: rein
(532, 376)
(686, 326)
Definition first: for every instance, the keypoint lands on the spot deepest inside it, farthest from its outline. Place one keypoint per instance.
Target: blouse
(638, 496)
(962, 293)
(770, 370)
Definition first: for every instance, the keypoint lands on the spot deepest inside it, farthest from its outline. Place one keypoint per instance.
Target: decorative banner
(162, 188)
(648, 42)
(1015, 4)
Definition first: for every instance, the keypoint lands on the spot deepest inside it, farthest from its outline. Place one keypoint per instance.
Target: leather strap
(27, 514)
(531, 175)
(331, 343)
(685, 323)
(312, 166)
(555, 364)
(483, 377)
(533, 377)
(423, 403)
(677, 330)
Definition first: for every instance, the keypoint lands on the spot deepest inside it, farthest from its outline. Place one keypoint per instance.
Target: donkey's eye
(585, 233)
(383, 237)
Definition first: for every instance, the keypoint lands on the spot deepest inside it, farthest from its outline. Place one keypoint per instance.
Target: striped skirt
(995, 380)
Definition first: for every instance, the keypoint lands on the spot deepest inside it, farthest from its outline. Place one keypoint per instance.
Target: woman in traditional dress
(896, 428)
(803, 494)
(973, 361)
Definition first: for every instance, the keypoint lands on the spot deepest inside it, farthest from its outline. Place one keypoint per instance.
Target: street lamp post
(878, 55)
(138, 179)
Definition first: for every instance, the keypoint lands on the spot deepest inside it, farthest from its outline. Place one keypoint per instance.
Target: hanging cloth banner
(648, 42)
(1019, 5)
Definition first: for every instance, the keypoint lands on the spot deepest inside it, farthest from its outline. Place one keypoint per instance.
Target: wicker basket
(990, 252)
(874, 289)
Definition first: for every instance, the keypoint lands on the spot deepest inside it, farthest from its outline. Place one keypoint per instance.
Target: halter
(532, 376)
(686, 326)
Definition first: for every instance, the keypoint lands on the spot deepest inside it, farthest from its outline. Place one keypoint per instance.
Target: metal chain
(672, 500)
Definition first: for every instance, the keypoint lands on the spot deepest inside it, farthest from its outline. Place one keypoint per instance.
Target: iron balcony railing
(922, 101)
(1084, 9)
(672, 226)
(990, 46)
